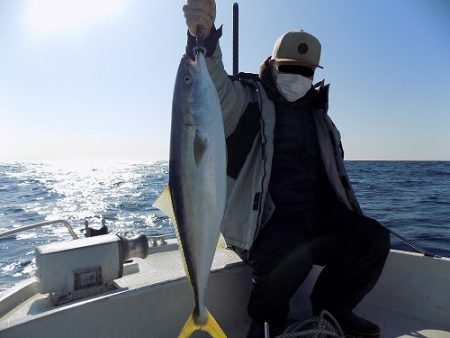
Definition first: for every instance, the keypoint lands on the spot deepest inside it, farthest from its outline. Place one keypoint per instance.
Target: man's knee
(287, 268)
(378, 238)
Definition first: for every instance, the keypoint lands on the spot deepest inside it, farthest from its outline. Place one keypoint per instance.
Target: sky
(94, 78)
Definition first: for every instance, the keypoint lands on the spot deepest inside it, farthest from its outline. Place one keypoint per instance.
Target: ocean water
(411, 198)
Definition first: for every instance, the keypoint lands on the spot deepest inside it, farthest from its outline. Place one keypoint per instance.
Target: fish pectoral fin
(200, 144)
(164, 203)
(210, 326)
(221, 243)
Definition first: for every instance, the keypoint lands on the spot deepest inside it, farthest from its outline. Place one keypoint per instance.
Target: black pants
(352, 248)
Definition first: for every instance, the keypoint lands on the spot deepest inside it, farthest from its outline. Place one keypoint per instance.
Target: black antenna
(235, 38)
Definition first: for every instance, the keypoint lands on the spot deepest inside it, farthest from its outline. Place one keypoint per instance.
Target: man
(290, 203)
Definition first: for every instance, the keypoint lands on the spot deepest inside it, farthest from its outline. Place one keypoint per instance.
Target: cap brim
(297, 62)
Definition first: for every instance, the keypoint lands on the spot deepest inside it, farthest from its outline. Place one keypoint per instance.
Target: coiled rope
(324, 325)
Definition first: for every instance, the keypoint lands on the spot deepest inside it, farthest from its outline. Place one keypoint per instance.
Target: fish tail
(210, 326)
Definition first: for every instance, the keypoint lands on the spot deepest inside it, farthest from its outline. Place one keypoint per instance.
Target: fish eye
(187, 79)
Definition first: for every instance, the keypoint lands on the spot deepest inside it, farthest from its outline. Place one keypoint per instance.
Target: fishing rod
(410, 244)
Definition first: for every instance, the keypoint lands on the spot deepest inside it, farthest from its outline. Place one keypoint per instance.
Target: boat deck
(397, 324)
(155, 301)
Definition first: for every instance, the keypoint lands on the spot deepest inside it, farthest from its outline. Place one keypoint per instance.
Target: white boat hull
(411, 299)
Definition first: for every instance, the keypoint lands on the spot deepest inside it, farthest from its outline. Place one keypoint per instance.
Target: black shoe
(256, 330)
(355, 326)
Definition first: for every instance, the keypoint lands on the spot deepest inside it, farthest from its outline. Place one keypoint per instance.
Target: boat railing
(154, 241)
(162, 239)
(38, 225)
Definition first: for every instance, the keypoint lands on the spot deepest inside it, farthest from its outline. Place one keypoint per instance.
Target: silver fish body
(197, 173)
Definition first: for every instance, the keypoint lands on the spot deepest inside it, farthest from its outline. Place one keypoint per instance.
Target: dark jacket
(249, 122)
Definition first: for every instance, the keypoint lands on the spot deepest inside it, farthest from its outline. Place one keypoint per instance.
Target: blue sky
(94, 78)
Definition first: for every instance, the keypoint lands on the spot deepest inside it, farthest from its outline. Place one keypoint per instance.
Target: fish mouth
(188, 60)
(192, 64)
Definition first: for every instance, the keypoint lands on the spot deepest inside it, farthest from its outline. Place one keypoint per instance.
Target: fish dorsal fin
(164, 203)
(199, 148)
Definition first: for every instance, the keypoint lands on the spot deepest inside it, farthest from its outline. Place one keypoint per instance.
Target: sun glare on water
(56, 16)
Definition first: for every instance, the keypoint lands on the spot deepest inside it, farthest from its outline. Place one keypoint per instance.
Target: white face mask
(292, 86)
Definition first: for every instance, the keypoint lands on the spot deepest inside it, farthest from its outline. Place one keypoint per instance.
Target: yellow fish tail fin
(210, 326)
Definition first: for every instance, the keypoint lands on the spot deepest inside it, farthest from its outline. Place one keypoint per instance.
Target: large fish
(195, 196)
